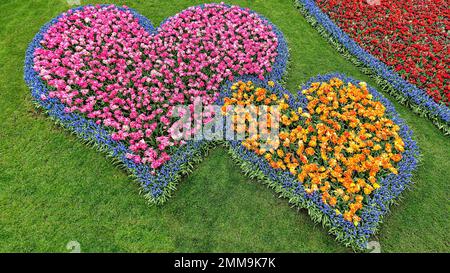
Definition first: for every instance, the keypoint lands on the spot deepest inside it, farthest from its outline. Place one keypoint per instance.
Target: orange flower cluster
(341, 145)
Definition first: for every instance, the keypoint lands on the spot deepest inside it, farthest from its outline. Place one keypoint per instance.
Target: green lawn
(54, 189)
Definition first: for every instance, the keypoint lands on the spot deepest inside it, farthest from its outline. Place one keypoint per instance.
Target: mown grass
(54, 189)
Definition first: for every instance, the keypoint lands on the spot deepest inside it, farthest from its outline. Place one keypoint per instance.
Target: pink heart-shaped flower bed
(106, 74)
(101, 62)
(107, 66)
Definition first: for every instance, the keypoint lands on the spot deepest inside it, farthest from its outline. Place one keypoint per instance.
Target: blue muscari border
(156, 188)
(405, 92)
(288, 186)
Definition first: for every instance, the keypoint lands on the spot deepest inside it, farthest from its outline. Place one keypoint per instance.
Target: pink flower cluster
(100, 62)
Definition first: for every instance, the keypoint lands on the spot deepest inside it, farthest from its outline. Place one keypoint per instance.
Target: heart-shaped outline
(157, 188)
(287, 186)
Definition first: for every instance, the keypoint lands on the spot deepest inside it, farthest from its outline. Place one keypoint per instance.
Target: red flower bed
(411, 36)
